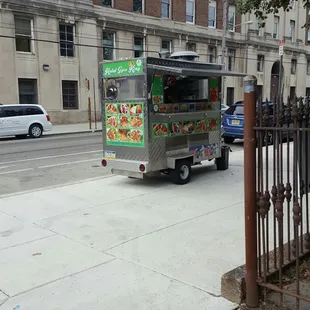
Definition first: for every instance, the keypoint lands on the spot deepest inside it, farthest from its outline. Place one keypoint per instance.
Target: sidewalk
(74, 128)
(124, 244)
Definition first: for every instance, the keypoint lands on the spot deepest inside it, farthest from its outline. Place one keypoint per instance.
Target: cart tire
(182, 172)
(229, 139)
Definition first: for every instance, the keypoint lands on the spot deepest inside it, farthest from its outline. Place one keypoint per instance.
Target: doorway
(275, 76)
(260, 92)
(230, 96)
(292, 92)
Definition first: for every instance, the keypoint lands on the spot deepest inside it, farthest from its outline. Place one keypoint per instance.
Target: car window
(0, 112)
(235, 110)
(12, 111)
(33, 111)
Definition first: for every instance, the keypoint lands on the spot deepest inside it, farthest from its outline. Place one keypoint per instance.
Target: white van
(21, 120)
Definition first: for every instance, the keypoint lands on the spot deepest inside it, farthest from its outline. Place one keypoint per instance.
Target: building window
(23, 35)
(212, 14)
(165, 8)
(106, 2)
(138, 6)
(191, 47)
(190, 11)
(308, 67)
(138, 47)
(70, 95)
(292, 92)
(108, 45)
(28, 91)
(293, 66)
(231, 18)
(276, 22)
(212, 54)
(308, 35)
(66, 32)
(292, 30)
(166, 46)
(260, 63)
(231, 60)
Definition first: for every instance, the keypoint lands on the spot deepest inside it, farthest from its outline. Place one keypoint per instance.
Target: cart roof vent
(185, 55)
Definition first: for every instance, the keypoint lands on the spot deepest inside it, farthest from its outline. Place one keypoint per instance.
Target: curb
(233, 285)
(72, 133)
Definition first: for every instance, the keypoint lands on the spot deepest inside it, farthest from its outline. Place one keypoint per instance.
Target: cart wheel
(182, 172)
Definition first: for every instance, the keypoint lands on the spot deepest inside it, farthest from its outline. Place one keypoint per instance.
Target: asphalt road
(51, 160)
(31, 164)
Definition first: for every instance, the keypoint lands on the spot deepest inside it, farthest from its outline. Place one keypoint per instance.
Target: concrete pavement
(118, 243)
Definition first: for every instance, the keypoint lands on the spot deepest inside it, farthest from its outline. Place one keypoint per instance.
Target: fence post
(249, 83)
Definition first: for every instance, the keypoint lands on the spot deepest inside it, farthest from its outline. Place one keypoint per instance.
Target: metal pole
(95, 104)
(89, 114)
(280, 80)
(250, 191)
(89, 103)
(223, 57)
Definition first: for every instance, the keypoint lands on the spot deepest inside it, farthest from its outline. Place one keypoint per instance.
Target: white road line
(15, 171)
(4, 167)
(48, 157)
(69, 163)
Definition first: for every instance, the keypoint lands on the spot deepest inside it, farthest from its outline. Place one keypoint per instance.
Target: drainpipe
(247, 45)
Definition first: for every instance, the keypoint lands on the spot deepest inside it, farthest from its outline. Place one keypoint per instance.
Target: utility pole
(223, 58)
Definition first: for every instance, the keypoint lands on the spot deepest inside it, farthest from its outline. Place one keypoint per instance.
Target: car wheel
(229, 139)
(182, 172)
(35, 131)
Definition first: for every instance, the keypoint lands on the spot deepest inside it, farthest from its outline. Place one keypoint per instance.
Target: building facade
(50, 51)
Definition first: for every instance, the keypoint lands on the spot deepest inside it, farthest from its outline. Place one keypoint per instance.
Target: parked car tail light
(142, 168)
(48, 118)
(104, 163)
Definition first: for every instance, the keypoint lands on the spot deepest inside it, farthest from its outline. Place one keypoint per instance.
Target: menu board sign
(125, 124)
(122, 68)
(179, 128)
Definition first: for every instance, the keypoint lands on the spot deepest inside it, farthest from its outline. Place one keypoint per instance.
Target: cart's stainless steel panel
(176, 63)
(124, 164)
(157, 154)
(196, 140)
(127, 173)
(193, 71)
(173, 143)
(171, 159)
(215, 138)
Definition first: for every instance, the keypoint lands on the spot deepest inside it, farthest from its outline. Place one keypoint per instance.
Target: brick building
(49, 50)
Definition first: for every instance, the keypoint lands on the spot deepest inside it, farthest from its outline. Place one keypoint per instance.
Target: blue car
(233, 121)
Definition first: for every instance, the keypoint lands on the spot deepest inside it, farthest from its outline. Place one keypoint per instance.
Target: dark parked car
(233, 123)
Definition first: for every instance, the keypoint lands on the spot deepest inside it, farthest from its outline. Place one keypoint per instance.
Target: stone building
(49, 49)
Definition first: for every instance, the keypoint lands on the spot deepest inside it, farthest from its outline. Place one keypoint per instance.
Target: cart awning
(194, 72)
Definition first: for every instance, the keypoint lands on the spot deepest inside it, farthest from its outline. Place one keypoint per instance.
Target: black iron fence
(282, 139)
